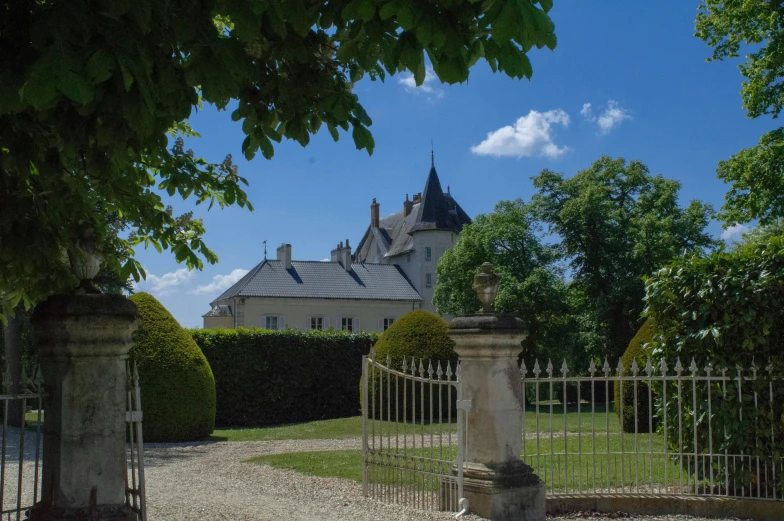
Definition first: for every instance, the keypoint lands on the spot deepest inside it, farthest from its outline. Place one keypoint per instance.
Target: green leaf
(546, 5)
(419, 73)
(333, 132)
(405, 17)
(76, 88)
(424, 31)
(388, 10)
(366, 9)
(99, 66)
(508, 22)
(267, 150)
(363, 139)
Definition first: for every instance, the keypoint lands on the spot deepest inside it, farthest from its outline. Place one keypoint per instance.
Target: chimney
(374, 219)
(335, 254)
(346, 258)
(418, 198)
(342, 255)
(284, 255)
(407, 207)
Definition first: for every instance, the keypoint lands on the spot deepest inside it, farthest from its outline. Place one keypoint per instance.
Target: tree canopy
(531, 284)
(756, 174)
(617, 223)
(95, 97)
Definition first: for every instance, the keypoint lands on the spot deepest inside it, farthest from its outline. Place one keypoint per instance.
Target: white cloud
(612, 116)
(220, 282)
(166, 283)
(531, 135)
(587, 113)
(734, 233)
(325, 259)
(427, 87)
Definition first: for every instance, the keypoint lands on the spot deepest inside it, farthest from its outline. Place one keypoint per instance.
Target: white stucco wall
(217, 322)
(295, 311)
(418, 267)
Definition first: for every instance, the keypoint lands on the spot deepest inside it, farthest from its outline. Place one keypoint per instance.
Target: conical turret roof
(438, 211)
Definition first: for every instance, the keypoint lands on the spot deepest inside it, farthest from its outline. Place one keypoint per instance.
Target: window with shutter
(347, 324)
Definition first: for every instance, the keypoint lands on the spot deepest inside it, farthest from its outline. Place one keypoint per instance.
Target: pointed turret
(437, 210)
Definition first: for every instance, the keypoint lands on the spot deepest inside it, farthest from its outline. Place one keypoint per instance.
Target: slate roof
(326, 280)
(436, 211)
(221, 310)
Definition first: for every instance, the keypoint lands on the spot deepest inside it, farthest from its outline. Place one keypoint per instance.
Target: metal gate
(413, 432)
(135, 494)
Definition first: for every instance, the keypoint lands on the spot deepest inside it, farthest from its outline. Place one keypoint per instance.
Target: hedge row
(267, 377)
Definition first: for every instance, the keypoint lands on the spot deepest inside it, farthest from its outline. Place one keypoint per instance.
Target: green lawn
(352, 427)
(620, 468)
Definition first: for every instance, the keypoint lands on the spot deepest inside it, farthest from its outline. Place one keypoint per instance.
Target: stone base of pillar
(43, 512)
(505, 493)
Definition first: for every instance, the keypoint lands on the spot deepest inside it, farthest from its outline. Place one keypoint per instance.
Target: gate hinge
(464, 405)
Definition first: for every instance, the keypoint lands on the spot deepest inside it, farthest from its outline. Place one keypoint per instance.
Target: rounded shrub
(419, 335)
(177, 385)
(635, 352)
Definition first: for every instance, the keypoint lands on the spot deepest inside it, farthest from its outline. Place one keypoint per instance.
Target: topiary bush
(419, 335)
(635, 352)
(177, 386)
(265, 377)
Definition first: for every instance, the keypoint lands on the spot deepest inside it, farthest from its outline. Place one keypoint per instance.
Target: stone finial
(486, 287)
(86, 261)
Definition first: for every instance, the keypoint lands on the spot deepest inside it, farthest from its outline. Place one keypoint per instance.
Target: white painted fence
(412, 434)
(701, 431)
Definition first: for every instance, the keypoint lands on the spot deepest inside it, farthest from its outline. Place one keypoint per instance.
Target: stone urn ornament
(86, 262)
(486, 287)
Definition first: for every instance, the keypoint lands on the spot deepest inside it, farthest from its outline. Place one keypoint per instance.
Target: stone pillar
(84, 341)
(497, 484)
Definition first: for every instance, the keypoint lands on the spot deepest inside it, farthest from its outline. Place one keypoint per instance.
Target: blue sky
(652, 97)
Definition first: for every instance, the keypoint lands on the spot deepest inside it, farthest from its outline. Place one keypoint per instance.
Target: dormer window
(428, 253)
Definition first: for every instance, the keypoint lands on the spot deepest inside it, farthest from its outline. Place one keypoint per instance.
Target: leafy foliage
(617, 223)
(726, 308)
(177, 385)
(730, 26)
(531, 284)
(418, 334)
(636, 353)
(420, 338)
(267, 377)
(94, 95)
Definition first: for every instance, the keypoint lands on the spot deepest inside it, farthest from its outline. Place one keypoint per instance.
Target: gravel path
(209, 481)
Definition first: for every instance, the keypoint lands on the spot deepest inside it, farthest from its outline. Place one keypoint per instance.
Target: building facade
(392, 272)
(415, 237)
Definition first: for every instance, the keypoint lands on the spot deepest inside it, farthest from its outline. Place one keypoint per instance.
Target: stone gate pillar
(84, 341)
(497, 484)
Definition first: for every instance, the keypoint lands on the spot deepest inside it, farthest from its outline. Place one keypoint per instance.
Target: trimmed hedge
(178, 389)
(635, 352)
(267, 377)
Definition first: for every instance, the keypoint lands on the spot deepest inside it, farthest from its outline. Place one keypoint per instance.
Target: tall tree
(531, 284)
(756, 174)
(94, 93)
(617, 223)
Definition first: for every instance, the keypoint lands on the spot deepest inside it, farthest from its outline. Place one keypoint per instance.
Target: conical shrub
(177, 385)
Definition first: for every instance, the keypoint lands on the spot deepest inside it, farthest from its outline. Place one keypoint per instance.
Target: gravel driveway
(209, 481)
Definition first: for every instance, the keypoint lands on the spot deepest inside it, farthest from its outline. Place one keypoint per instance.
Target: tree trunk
(12, 336)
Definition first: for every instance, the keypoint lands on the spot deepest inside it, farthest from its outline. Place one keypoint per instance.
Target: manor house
(391, 272)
